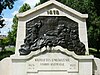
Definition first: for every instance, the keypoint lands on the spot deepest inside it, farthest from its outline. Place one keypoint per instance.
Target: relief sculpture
(52, 31)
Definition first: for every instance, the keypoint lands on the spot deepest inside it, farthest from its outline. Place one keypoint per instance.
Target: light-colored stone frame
(41, 10)
(19, 62)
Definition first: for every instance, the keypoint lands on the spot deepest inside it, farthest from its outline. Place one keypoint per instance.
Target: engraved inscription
(53, 12)
(57, 62)
(52, 62)
(30, 66)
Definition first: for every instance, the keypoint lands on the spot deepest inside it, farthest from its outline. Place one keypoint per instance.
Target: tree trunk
(3, 48)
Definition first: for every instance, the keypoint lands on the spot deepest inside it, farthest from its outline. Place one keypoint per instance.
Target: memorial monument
(51, 39)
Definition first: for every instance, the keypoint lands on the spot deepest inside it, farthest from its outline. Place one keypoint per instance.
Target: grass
(7, 52)
(11, 49)
(94, 52)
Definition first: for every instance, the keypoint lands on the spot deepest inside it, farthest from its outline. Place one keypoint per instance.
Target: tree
(12, 34)
(94, 34)
(3, 5)
(4, 42)
(1, 22)
(24, 8)
(92, 8)
(97, 5)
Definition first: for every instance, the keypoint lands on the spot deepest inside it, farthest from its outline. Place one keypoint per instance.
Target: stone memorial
(51, 39)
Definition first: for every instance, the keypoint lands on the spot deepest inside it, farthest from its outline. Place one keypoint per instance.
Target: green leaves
(4, 42)
(24, 8)
(12, 34)
(1, 23)
(42, 1)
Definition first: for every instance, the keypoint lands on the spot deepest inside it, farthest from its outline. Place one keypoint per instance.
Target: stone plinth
(56, 60)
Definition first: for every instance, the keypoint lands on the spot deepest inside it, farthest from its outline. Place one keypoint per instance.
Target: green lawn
(93, 51)
(7, 52)
(11, 49)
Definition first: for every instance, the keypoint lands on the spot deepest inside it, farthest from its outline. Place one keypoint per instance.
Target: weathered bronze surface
(52, 31)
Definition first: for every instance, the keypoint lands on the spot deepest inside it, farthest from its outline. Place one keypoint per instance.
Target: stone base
(6, 66)
(49, 62)
(96, 66)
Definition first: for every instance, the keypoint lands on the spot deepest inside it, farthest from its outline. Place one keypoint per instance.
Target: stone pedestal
(52, 61)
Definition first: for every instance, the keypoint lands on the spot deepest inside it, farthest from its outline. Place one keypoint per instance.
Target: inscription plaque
(52, 62)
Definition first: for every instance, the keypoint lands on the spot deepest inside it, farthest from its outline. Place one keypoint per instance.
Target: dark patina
(52, 31)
